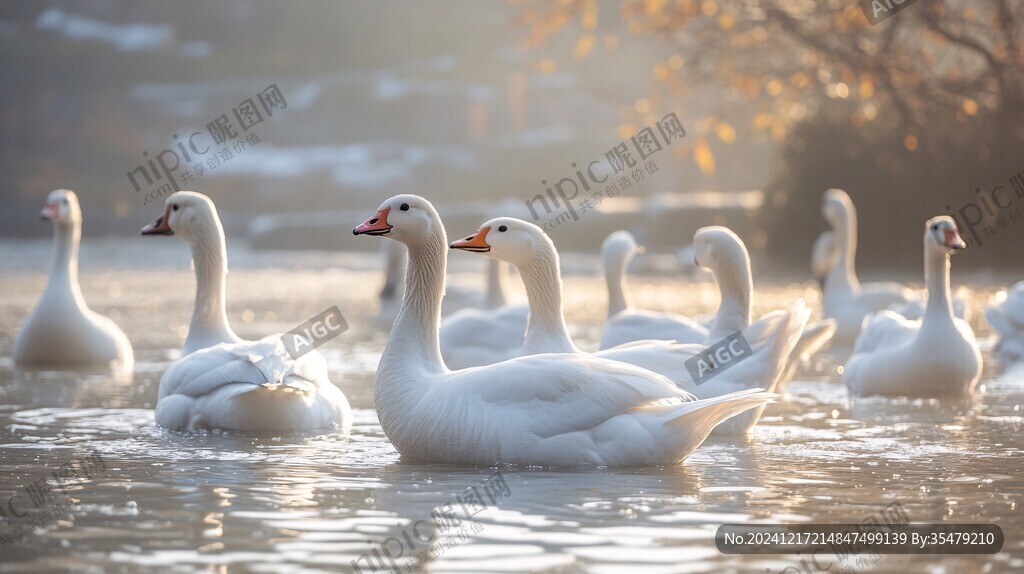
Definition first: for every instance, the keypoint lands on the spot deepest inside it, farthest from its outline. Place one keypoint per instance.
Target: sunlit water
(220, 502)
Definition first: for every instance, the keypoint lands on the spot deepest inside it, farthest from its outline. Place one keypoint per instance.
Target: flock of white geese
(506, 384)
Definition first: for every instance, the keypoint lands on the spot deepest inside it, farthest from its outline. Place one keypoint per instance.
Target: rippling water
(221, 502)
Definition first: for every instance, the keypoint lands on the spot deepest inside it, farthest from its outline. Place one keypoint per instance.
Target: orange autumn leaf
(590, 16)
(725, 132)
(653, 7)
(583, 46)
(704, 158)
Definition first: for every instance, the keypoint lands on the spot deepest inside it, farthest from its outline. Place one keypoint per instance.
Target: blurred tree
(942, 79)
(782, 58)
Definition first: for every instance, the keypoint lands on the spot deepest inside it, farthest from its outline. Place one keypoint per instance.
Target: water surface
(220, 502)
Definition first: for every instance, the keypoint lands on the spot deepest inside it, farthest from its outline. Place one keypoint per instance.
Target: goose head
(716, 247)
(506, 239)
(836, 207)
(942, 237)
(186, 213)
(620, 247)
(407, 218)
(62, 207)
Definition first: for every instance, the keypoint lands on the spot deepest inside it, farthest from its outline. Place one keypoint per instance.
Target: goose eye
(503, 229)
(174, 207)
(404, 207)
(65, 201)
(935, 227)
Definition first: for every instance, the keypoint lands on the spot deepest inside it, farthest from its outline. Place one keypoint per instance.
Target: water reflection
(316, 503)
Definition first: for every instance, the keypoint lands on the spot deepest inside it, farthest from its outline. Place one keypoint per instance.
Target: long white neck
(843, 277)
(414, 342)
(495, 286)
(735, 287)
(546, 331)
(64, 273)
(209, 324)
(412, 355)
(936, 277)
(614, 276)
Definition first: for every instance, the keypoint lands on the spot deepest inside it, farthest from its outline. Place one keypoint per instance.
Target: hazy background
(473, 104)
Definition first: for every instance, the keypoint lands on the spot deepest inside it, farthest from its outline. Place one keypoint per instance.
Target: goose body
(935, 356)
(625, 324)
(471, 337)
(250, 386)
(1005, 314)
(474, 337)
(532, 252)
(221, 381)
(62, 331)
(724, 254)
(560, 409)
(720, 251)
(845, 300)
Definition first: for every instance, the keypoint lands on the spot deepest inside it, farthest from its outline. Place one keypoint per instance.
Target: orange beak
(376, 225)
(953, 240)
(50, 211)
(476, 242)
(159, 225)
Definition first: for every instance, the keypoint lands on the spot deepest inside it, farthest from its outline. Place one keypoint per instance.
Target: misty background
(474, 104)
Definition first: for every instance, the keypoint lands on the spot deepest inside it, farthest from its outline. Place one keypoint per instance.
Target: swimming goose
(844, 298)
(557, 409)
(932, 357)
(825, 255)
(1005, 314)
(532, 252)
(221, 381)
(724, 254)
(625, 324)
(720, 251)
(62, 330)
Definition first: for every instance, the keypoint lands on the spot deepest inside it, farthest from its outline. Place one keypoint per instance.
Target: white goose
(62, 330)
(526, 246)
(722, 252)
(625, 324)
(221, 381)
(552, 409)
(844, 298)
(1005, 314)
(505, 326)
(932, 357)
(825, 256)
